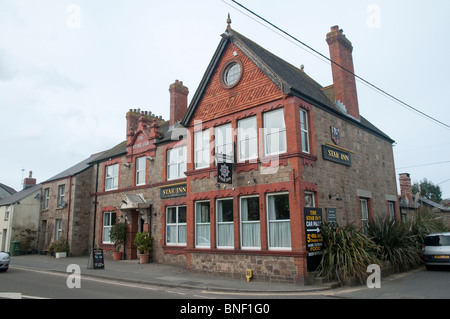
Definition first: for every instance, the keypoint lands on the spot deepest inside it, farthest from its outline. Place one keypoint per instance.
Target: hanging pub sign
(314, 240)
(225, 173)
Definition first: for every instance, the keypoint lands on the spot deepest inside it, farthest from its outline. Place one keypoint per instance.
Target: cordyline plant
(398, 244)
(347, 253)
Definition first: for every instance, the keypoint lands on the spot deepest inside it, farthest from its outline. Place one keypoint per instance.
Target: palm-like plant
(347, 253)
(398, 244)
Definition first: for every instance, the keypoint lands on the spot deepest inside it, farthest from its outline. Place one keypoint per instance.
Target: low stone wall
(264, 267)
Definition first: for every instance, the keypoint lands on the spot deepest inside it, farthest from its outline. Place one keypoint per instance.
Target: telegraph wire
(322, 56)
(421, 165)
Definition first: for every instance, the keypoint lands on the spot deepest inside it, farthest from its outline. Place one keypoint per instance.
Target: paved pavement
(156, 274)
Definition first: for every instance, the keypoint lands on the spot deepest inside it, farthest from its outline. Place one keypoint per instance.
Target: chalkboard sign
(99, 262)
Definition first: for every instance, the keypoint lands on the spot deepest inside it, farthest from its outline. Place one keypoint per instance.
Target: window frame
(141, 171)
(219, 223)
(203, 149)
(268, 132)
(108, 227)
(176, 225)
(197, 245)
(304, 131)
(269, 221)
(61, 195)
(243, 132)
(181, 165)
(111, 178)
(242, 222)
(223, 138)
(364, 208)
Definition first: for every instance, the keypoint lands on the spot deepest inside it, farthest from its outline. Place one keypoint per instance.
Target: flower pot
(144, 258)
(117, 255)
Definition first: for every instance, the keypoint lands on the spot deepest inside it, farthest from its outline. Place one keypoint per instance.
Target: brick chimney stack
(178, 101)
(343, 81)
(406, 189)
(30, 181)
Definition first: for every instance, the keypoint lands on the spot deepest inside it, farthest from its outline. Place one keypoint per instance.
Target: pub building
(242, 177)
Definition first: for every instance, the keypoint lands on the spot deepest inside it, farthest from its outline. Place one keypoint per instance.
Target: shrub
(59, 246)
(397, 243)
(346, 253)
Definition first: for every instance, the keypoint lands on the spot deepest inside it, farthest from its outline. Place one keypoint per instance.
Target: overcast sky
(70, 70)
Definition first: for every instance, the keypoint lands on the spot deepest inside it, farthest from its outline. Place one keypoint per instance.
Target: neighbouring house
(411, 203)
(19, 217)
(6, 191)
(66, 208)
(239, 178)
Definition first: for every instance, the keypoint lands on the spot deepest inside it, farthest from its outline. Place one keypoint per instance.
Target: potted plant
(143, 243)
(117, 235)
(59, 248)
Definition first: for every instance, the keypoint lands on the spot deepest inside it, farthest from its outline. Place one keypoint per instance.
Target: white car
(4, 261)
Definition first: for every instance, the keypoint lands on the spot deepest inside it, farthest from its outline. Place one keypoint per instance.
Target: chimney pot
(178, 101)
(342, 69)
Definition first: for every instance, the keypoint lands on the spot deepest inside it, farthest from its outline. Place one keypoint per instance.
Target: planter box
(60, 255)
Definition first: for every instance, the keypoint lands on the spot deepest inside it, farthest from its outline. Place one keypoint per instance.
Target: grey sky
(70, 70)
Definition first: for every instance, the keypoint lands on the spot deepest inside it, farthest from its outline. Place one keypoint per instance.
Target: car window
(437, 241)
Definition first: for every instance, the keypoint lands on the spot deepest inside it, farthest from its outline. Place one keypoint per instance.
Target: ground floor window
(250, 223)
(364, 214)
(109, 219)
(279, 221)
(176, 225)
(225, 233)
(202, 224)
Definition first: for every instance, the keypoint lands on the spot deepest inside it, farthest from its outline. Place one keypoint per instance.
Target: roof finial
(229, 21)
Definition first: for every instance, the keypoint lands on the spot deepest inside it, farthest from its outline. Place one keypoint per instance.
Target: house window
(7, 212)
(250, 223)
(225, 233)
(304, 130)
(109, 219)
(247, 139)
(140, 170)
(364, 214)
(279, 221)
(223, 139)
(201, 147)
(46, 197)
(309, 199)
(61, 201)
(202, 224)
(391, 206)
(176, 225)
(58, 228)
(112, 177)
(232, 74)
(274, 132)
(176, 163)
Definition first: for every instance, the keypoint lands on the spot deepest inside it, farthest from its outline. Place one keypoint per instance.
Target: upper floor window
(112, 177)
(61, 195)
(274, 132)
(201, 148)
(176, 163)
(46, 197)
(140, 170)
(223, 138)
(304, 130)
(247, 139)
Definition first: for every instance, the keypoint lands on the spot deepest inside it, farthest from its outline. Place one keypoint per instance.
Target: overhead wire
(322, 56)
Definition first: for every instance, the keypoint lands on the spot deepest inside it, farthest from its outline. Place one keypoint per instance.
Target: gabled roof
(8, 189)
(291, 80)
(20, 195)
